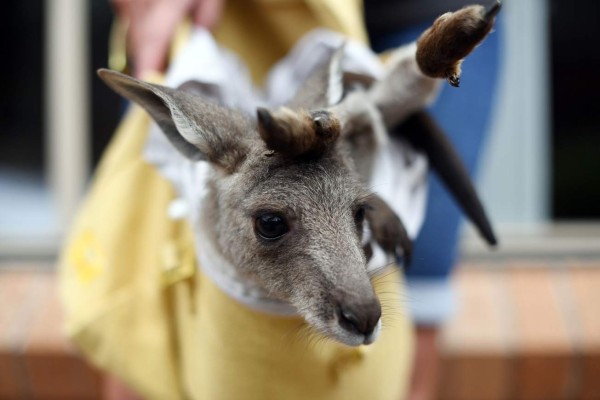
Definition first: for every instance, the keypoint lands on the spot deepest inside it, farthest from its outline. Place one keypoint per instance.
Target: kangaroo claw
(492, 10)
(454, 80)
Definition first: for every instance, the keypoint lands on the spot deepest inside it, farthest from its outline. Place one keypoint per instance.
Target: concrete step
(524, 331)
(36, 360)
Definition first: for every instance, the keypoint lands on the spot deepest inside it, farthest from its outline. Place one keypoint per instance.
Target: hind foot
(442, 48)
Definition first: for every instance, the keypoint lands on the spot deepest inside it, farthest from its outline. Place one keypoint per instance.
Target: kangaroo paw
(454, 80)
(388, 230)
(453, 36)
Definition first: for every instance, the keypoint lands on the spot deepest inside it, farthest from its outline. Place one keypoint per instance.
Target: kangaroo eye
(359, 215)
(270, 226)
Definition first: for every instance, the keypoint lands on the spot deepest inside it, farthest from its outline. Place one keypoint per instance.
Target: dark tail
(426, 135)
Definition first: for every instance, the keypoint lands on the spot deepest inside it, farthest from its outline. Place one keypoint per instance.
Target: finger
(121, 8)
(208, 12)
(152, 30)
(126, 8)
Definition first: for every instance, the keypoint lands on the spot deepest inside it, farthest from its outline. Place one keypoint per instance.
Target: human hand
(152, 24)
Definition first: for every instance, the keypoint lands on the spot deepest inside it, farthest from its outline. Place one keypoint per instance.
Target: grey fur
(319, 265)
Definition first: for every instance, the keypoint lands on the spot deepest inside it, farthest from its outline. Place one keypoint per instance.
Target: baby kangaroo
(286, 198)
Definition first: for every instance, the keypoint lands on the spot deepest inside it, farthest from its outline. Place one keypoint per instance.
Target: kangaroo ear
(299, 133)
(324, 87)
(198, 128)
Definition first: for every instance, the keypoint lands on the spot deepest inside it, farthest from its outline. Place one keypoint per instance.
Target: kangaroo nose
(359, 318)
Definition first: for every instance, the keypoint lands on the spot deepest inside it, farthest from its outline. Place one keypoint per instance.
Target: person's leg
(464, 114)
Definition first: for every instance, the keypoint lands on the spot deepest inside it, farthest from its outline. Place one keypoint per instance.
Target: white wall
(67, 103)
(514, 179)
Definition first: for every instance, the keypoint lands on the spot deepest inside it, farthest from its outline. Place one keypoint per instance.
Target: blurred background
(529, 325)
(539, 172)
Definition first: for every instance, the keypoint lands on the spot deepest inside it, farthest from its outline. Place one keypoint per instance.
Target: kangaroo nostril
(349, 321)
(361, 320)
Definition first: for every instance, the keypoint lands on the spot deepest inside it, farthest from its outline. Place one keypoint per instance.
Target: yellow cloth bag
(136, 305)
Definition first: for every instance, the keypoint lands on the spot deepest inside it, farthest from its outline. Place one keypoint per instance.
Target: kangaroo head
(285, 205)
